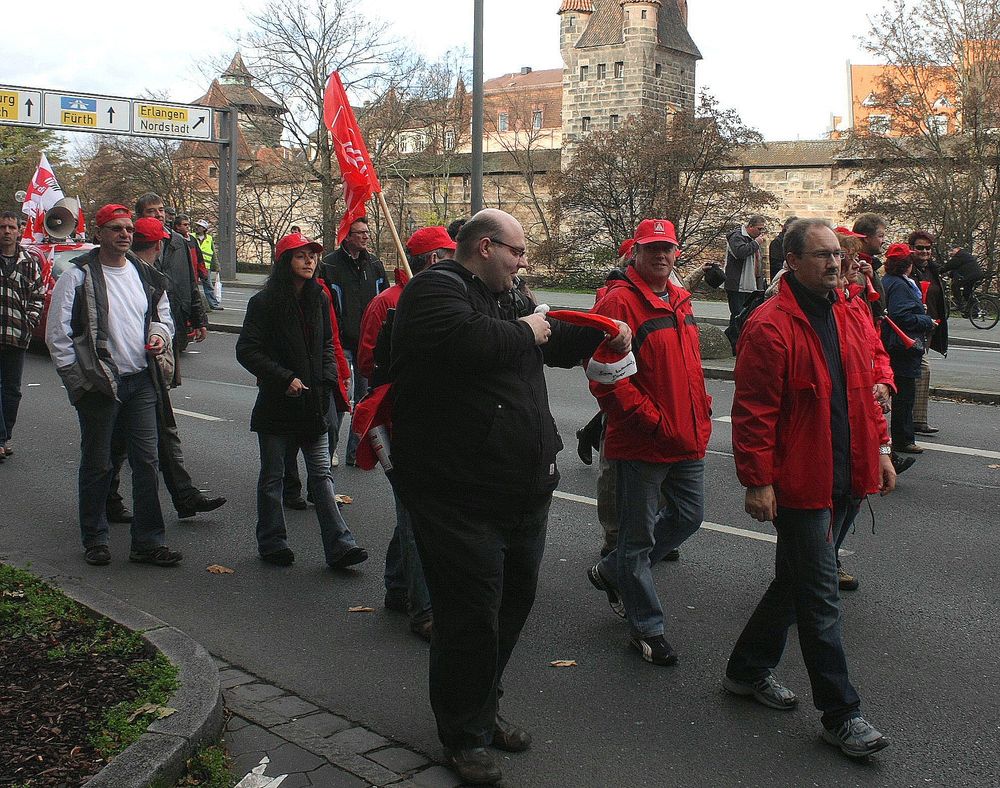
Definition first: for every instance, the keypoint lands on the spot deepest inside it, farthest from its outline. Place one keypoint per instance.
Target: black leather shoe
(925, 429)
(119, 514)
(474, 765)
(509, 737)
(199, 504)
(296, 503)
(282, 557)
(396, 600)
(583, 448)
(673, 555)
(902, 463)
(355, 555)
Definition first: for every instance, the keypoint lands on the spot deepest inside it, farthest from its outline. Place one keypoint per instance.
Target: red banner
(360, 180)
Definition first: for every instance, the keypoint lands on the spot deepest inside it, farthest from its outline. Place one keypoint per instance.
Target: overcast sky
(780, 64)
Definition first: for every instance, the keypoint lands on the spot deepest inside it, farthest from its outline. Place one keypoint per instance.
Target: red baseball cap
(625, 250)
(848, 233)
(112, 211)
(427, 239)
(898, 250)
(295, 241)
(150, 228)
(656, 230)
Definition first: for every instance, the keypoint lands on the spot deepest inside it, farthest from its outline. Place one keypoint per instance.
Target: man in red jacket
(658, 426)
(809, 442)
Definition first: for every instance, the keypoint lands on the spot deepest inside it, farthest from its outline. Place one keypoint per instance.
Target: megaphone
(60, 219)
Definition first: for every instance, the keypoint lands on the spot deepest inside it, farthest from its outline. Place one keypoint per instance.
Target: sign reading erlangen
(171, 120)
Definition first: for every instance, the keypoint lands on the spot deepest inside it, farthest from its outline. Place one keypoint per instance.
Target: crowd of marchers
(442, 376)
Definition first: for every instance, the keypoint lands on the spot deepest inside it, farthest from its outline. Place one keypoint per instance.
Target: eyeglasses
(838, 255)
(517, 251)
(921, 248)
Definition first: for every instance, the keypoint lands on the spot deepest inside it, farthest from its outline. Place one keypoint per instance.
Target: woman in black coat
(287, 343)
(925, 269)
(903, 305)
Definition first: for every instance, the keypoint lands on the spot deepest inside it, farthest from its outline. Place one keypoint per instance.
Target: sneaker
(767, 691)
(846, 580)
(334, 460)
(355, 555)
(158, 556)
(282, 557)
(98, 555)
(475, 765)
(925, 429)
(599, 582)
(654, 649)
(856, 737)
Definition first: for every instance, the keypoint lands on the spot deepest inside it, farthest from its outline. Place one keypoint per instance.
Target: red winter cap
(109, 212)
(848, 233)
(295, 241)
(150, 228)
(897, 250)
(625, 250)
(653, 230)
(427, 239)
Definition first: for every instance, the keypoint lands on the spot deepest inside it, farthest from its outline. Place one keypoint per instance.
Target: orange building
(886, 100)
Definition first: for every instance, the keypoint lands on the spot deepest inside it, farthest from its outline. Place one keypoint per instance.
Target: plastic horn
(870, 291)
(907, 341)
(924, 287)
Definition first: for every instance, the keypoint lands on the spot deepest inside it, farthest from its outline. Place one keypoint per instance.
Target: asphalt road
(921, 633)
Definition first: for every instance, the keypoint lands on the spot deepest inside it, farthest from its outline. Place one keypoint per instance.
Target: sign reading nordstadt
(170, 120)
(20, 106)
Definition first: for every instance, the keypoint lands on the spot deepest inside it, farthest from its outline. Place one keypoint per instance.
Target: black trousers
(901, 420)
(481, 569)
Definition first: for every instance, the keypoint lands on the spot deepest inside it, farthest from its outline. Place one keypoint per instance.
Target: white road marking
(194, 415)
(222, 383)
(256, 779)
(942, 447)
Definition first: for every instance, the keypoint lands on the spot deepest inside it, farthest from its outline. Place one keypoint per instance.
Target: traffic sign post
(155, 119)
(81, 112)
(21, 107)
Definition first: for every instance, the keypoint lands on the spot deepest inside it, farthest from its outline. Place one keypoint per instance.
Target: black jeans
(804, 592)
(901, 422)
(481, 569)
(11, 367)
(737, 301)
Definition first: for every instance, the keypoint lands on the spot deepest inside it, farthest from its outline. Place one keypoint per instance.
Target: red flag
(360, 180)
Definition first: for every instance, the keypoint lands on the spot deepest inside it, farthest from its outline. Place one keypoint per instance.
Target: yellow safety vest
(207, 250)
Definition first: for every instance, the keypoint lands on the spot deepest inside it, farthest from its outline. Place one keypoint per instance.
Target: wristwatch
(885, 449)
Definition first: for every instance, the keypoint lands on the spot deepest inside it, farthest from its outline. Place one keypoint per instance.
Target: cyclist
(966, 273)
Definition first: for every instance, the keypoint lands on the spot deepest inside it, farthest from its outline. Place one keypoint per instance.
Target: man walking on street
(658, 426)
(109, 318)
(474, 455)
(809, 442)
(206, 242)
(22, 297)
(355, 277)
(743, 259)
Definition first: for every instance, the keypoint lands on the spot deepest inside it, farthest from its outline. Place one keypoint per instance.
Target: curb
(159, 756)
(982, 397)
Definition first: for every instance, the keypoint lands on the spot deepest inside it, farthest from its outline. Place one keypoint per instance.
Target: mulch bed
(59, 672)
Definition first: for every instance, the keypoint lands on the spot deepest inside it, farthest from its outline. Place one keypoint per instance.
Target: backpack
(735, 327)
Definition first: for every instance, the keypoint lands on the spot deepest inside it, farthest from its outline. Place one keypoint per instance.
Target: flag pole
(400, 251)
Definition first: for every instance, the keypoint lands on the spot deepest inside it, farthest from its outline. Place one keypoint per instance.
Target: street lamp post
(477, 107)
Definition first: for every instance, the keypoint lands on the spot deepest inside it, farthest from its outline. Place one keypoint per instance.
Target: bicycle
(982, 309)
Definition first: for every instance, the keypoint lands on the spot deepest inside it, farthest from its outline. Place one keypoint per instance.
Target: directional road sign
(157, 119)
(20, 106)
(83, 112)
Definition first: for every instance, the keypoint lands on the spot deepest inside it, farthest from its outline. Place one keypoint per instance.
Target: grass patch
(210, 767)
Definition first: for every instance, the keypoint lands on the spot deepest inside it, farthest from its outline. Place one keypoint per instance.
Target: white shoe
(334, 460)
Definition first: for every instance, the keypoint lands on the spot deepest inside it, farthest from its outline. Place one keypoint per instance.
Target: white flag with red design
(43, 191)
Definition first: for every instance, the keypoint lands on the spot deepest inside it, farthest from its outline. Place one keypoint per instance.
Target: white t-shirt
(126, 318)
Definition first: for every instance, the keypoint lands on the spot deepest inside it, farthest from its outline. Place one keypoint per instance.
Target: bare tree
(294, 46)
(653, 166)
(937, 165)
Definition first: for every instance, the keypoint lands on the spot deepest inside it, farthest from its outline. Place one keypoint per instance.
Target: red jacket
(857, 298)
(781, 407)
(371, 324)
(341, 397)
(662, 413)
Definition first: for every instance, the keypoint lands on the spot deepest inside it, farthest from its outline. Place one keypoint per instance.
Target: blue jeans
(271, 533)
(648, 532)
(209, 290)
(357, 388)
(403, 569)
(11, 366)
(132, 419)
(804, 592)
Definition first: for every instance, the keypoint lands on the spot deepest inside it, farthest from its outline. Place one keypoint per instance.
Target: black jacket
(471, 415)
(353, 285)
(936, 306)
(185, 300)
(741, 250)
(776, 254)
(285, 338)
(963, 266)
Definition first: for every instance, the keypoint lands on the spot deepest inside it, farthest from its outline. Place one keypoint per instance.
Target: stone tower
(622, 57)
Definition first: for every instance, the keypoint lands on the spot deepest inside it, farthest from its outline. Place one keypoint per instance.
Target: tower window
(602, 70)
(643, 13)
(658, 70)
(613, 122)
(619, 69)
(584, 73)
(584, 124)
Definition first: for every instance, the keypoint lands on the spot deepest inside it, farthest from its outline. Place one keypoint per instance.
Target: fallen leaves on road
(219, 569)
(994, 467)
(344, 499)
(563, 663)
(151, 708)
(360, 609)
